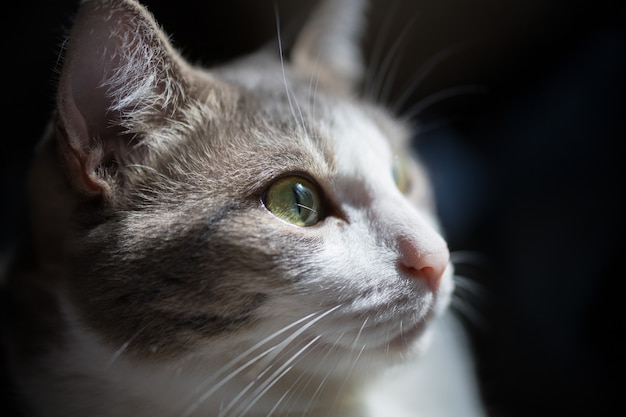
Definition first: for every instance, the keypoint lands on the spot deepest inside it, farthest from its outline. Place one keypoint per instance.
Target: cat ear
(327, 49)
(120, 72)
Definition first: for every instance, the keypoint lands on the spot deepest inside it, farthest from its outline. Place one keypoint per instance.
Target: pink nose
(427, 264)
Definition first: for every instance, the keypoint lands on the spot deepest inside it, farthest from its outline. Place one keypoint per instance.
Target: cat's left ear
(327, 47)
(121, 77)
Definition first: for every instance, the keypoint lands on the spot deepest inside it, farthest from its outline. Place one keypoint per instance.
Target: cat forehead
(281, 99)
(256, 120)
(343, 135)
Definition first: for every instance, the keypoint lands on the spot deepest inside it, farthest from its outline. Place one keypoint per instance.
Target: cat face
(258, 204)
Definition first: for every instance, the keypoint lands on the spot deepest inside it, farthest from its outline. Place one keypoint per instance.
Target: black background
(526, 161)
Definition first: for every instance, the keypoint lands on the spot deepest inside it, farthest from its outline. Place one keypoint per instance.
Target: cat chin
(374, 352)
(408, 341)
(403, 335)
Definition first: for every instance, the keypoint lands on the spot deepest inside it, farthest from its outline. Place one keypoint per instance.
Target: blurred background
(520, 111)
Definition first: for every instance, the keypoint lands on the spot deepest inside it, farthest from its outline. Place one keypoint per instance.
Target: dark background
(526, 158)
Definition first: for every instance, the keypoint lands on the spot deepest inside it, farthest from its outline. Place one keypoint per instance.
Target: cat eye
(294, 200)
(400, 173)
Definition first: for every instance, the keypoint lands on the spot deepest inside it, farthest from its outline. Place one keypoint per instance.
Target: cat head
(260, 202)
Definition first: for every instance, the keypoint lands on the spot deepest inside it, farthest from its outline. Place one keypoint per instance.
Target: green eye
(400, 173)
(294, 200)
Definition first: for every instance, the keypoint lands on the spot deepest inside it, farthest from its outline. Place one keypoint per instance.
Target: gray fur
(153, 248)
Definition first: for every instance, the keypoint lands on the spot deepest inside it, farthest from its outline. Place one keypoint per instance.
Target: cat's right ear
(328, 48)
(120, 76)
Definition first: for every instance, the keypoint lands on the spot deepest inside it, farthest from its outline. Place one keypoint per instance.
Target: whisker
(242, 392)
(277, 375)
(191, 408)
(314, 76)
(287, 392)
(314, 105)
(297, 333)
(389, 79)
(470, 287)
(468, 258)
(116, 355)
(280, 400)
(470, 312)
(233, 402)
(383, 71)
(468, 297)
(282, 66)
(422, 72)
(432, 125)
(260, 375)
(442, 95)
(216, 387)
(354, 362)
(290, 391)
(348, 376)
(377, 50)
(323, 382)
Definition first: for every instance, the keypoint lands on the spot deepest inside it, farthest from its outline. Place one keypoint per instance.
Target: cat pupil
(295, 200)
(304, 201)
(175, 283)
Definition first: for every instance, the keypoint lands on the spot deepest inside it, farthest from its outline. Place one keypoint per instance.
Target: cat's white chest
(439, 383)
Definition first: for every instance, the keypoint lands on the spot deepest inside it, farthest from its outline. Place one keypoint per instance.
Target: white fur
(321, 342)
(438, 383)
(297, 336)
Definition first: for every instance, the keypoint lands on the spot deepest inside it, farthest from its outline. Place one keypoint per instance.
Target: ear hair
(120, 71)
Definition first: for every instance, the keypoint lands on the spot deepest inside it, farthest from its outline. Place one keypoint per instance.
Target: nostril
(428, 266)
(430, 275)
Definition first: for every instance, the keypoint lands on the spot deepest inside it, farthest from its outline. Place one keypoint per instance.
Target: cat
(252, 239)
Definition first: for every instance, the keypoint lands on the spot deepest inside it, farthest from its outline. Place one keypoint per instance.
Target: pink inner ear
(86, 87)
(82, 107)
(93, 59)
(116, 63)
(83, 101)
(74, 140)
